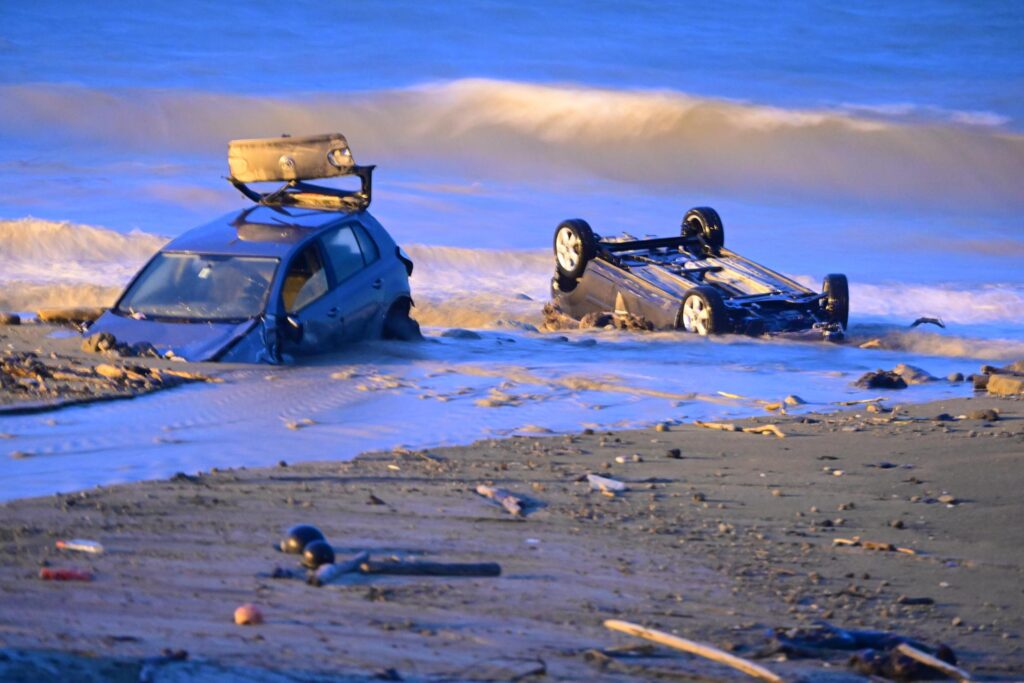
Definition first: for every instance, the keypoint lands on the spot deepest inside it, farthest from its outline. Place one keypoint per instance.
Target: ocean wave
(522, 130)
(49, 264)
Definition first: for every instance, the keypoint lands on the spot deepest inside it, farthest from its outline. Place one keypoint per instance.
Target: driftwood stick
(329, 572)
(432, 568)
(934, 662)
(765, 429)
(504, 498)
(699, 649)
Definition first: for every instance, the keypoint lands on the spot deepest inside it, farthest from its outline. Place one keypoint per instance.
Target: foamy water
(831, 138)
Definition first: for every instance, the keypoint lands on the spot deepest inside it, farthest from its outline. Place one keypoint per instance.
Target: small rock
(912, 374)
(943, 417)
(986, 415)
(896, 523)
(1005, 385)
(109, 371)
(947, 499)
(956, 621)
(955, 377)
(662, 427)
(881, 379)
(794, 400)
(10, 319)
(674, 453)
(980, 382)
(459, 333)
(248, 615)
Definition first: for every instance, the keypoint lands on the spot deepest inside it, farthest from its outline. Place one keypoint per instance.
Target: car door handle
(333, 312)
(377, 283)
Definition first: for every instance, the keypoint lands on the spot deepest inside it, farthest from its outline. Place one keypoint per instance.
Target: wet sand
(732, 539)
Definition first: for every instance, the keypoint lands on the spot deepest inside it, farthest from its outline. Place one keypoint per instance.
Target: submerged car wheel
(575, 245)
(837, 299)
(703, 221)
(399, 324)
(703, 312)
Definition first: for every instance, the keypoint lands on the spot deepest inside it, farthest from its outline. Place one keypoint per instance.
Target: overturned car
(303, 271)
(688, 281)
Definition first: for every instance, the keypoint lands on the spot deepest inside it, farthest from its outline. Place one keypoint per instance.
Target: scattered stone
(69, 316)
(794, 400)
(947, 499)
(109, 371)
(1005, 385)
(943, 417)
(913, 375)
(662, 427)
(881, 379)
(896, 523)
(98, 343)
(459, 333)
(248, 615)
(985, 414)
(955, 377)
(10, 319)
(980, 382)
(904, 600)
(674, 453)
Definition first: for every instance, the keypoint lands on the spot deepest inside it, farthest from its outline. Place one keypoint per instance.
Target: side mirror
(293, 329)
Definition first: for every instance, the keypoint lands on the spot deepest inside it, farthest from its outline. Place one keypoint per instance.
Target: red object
(66, 574)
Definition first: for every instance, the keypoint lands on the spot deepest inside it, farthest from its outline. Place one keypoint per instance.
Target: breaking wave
(46, 264)
(662, 138)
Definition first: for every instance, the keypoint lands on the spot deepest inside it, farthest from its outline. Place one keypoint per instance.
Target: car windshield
(200, 287)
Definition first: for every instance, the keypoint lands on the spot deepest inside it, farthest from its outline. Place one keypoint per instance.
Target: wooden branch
(504, 498)
(765, 429)
(329, 572)
(699, 649)
(934, 662)
(431, 568)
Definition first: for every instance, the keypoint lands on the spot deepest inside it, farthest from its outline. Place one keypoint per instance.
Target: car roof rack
(292, 161)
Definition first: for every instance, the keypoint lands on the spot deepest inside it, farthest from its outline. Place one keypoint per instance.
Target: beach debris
(859, 402)
(605, 485)
(881, 379)
(317, 553)
(327, 573)
(65, 574)
(10, 319)
(856, 542)
(913, 375)
(418, 568)
(248, 615)
(298, 537)
(296, 425)
(765, 430)
(69, 316)
(514, 504)
(928, 321)
(694, 648)
(773, 407)
(721, 426)
(81, 545)
(727, 394)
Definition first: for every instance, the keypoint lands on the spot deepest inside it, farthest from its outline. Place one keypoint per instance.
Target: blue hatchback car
(303, 272)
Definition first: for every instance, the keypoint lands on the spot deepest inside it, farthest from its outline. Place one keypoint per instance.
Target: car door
(308, 297)
(357, 277)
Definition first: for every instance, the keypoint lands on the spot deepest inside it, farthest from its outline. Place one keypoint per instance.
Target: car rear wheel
(575, 245)
(703, 312)
(837, 299)
(704, 222)
(399, 323)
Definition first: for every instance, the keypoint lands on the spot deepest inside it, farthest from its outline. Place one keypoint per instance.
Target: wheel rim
(696, 315)
(567, 249)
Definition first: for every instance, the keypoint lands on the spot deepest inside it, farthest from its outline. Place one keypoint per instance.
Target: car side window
(370, 251)
(306, 280)
(344, 253)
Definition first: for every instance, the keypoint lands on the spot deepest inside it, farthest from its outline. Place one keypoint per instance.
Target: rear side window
(370, 251)
(344, 253)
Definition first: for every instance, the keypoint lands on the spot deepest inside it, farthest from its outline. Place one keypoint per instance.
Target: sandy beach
(721, 541)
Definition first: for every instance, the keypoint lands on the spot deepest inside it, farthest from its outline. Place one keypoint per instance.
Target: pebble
(662, 427)
(248, 615)
(948, 499)
(674, 453)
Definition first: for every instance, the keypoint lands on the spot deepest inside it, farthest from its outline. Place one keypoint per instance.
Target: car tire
(705, 223)
(703, 312)
(837, 299)
(399, 324)
(575, 245)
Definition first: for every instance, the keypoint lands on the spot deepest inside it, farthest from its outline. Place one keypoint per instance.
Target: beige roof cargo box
(280, 159)
(293, 161)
